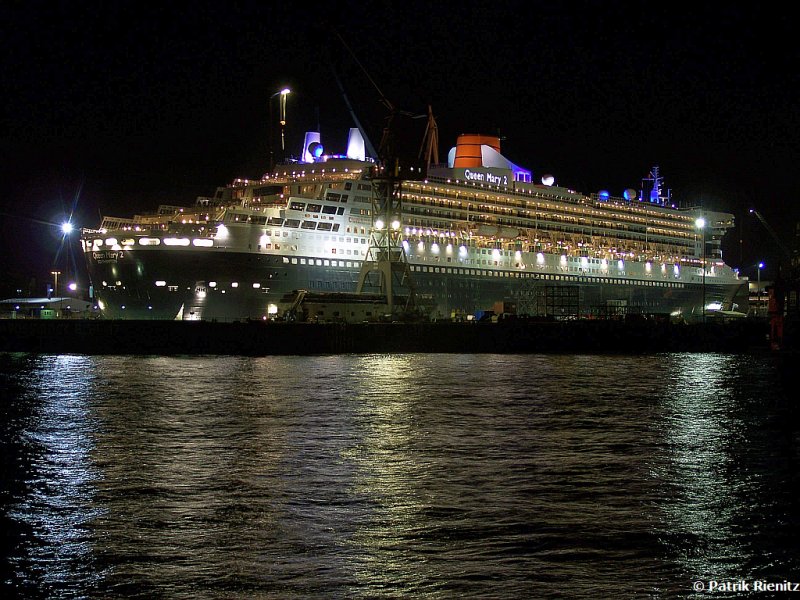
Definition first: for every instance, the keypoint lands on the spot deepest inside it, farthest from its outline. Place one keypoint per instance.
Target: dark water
(434, 476)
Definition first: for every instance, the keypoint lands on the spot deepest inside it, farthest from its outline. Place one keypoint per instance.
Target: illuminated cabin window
(149, 241)
(176, 241)
(128, 242)
(203, 243)
(161, 283)
(234, 284)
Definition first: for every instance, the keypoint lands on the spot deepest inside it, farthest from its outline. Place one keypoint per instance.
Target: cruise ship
(474, 231)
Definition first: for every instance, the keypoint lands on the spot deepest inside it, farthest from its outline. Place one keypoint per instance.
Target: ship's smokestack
(468, 149)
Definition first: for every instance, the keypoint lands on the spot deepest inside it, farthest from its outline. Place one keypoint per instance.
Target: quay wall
(279, 338)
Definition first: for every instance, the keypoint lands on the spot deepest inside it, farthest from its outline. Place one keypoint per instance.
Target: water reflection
(388, 476)
(715, 420)
(190, 453)
(59, 504)
(701, 426)
(482, 470)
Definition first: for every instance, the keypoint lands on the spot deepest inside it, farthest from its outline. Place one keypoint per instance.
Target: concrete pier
(279, 338)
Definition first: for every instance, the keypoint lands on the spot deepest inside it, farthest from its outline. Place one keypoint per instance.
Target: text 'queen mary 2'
(475, 232)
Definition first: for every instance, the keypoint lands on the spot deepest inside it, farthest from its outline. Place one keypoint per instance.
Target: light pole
(66, 229)
(700, 223)
(55, 275)
(282, 120)
(760, 266)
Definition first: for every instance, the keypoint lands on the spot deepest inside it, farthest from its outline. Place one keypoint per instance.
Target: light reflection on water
(390, 475)
(728, 435)
(58, 509)
(700, 424)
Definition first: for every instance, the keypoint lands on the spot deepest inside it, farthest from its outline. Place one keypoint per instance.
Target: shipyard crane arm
(386, 151)
(771, 231)
(384, 99)
(430, 142)
(367, 142)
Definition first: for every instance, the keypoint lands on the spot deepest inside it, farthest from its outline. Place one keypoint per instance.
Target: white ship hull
(224, 285)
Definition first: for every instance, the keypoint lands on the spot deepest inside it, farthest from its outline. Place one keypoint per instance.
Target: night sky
(116, 107)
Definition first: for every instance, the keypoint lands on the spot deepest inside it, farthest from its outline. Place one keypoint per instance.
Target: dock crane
(385, 269)
(781, 245)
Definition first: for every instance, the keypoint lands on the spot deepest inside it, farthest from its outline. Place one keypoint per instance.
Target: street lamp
(760, 266)
(282, 120)
(55, 275)
(700, 223)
